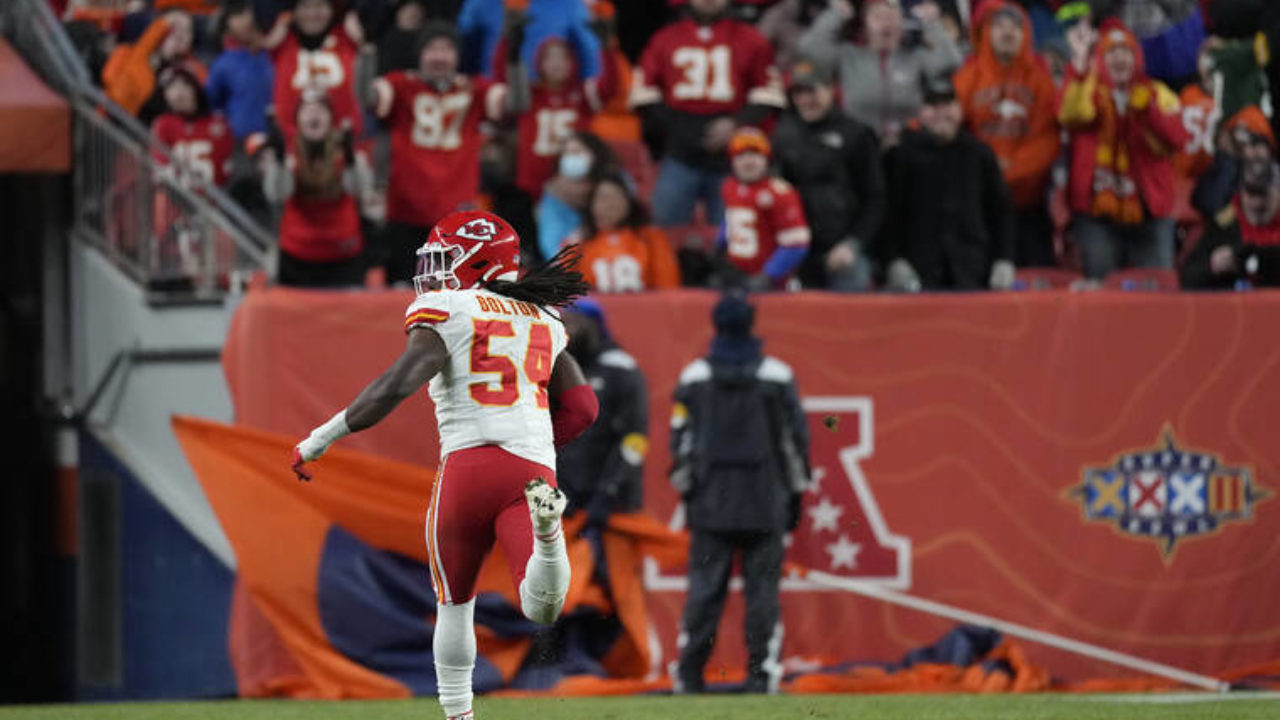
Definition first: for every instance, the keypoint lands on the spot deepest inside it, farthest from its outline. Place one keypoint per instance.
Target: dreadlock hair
(555, 284)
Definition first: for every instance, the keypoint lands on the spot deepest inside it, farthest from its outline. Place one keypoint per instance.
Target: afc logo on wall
(1167, 493)
(841, 533)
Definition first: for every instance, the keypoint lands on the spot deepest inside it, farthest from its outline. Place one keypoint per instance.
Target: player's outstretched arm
(573, 403)
(424, 356)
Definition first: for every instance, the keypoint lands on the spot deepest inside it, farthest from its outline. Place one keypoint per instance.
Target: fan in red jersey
(317, 178)
(559, 105)
(765, 234)
(506, 394)
(201, 140)
(314, 49)
(434, 115)
(698, 79)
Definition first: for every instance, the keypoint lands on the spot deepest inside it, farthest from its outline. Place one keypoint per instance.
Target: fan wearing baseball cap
(834, 163)
(949, 225)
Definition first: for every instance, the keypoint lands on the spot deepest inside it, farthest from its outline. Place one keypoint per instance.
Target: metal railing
(166, 226)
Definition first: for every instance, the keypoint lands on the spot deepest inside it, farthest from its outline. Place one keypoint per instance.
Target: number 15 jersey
(493, 390)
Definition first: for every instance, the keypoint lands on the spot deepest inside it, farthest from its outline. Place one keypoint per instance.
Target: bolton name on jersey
(493, 391)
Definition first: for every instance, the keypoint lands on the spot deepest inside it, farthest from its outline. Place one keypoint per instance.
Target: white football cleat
(546, 505)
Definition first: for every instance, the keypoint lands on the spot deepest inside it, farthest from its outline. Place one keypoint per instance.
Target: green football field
(853, 707)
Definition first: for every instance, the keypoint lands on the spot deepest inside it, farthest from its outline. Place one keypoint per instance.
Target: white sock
(546, 578)
(454, 645)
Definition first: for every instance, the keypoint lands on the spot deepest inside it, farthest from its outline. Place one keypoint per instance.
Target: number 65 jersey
(493, 390)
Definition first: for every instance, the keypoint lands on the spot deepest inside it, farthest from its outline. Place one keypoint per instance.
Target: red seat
(698, 237)
(1045, 279)
(1142, 279)
(1183, 212)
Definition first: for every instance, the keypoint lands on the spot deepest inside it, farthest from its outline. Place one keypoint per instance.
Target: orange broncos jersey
(627, 260)
(1197, 118)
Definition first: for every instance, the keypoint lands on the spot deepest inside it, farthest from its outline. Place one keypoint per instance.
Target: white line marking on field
(1178, 698)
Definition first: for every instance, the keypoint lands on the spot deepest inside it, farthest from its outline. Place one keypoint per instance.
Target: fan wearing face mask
(621, 250)
(584, 159)
(559, 105)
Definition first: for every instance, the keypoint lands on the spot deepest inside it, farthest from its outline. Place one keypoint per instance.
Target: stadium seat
(1045, 279)
(699, 237)
(1142, 280)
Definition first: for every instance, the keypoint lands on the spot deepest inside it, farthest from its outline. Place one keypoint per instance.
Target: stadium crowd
(767, 144)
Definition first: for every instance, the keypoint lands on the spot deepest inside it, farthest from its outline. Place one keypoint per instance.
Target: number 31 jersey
(708, 69)
(493, 391)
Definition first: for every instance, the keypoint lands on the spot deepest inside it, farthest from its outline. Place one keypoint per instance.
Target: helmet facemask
(436, 263)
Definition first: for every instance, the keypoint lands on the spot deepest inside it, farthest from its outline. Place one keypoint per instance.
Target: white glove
(322, 437)
(1002, 275)
(312, 448)
(902, 277)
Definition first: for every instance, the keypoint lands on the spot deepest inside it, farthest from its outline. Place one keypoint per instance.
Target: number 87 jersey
(493, 390)
(435, 142)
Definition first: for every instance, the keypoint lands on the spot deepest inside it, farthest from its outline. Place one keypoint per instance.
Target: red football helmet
(465, 250)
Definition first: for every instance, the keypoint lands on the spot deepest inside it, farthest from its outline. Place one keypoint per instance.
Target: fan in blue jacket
(480, 25)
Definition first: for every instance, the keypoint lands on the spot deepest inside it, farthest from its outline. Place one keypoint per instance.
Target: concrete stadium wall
(154, 571)
(109, 313)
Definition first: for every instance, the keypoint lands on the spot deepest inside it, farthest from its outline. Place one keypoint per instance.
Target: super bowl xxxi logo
(1168, 493)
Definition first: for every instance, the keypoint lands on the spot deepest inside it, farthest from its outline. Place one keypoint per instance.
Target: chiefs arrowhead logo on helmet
(478, 229)
(466, 250)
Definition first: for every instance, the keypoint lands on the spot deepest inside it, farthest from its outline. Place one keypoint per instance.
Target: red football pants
(479, 497)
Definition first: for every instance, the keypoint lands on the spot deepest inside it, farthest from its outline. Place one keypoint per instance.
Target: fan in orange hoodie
(1007, 94)
(129, 77)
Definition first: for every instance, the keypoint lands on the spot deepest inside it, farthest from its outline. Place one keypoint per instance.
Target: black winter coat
(740, 436)
(1224, 229)
(835, 166)
(949, 210)
(601, 471)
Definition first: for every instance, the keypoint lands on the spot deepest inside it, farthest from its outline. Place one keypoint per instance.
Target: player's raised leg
(528, 529)
(546, 575)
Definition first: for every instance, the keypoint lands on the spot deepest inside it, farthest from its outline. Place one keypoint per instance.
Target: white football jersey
(493, 391)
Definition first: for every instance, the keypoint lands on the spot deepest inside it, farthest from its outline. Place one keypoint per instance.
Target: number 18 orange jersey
(493, 391)
(626, 260)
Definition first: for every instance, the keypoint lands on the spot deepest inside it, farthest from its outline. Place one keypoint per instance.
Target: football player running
(506, 395)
